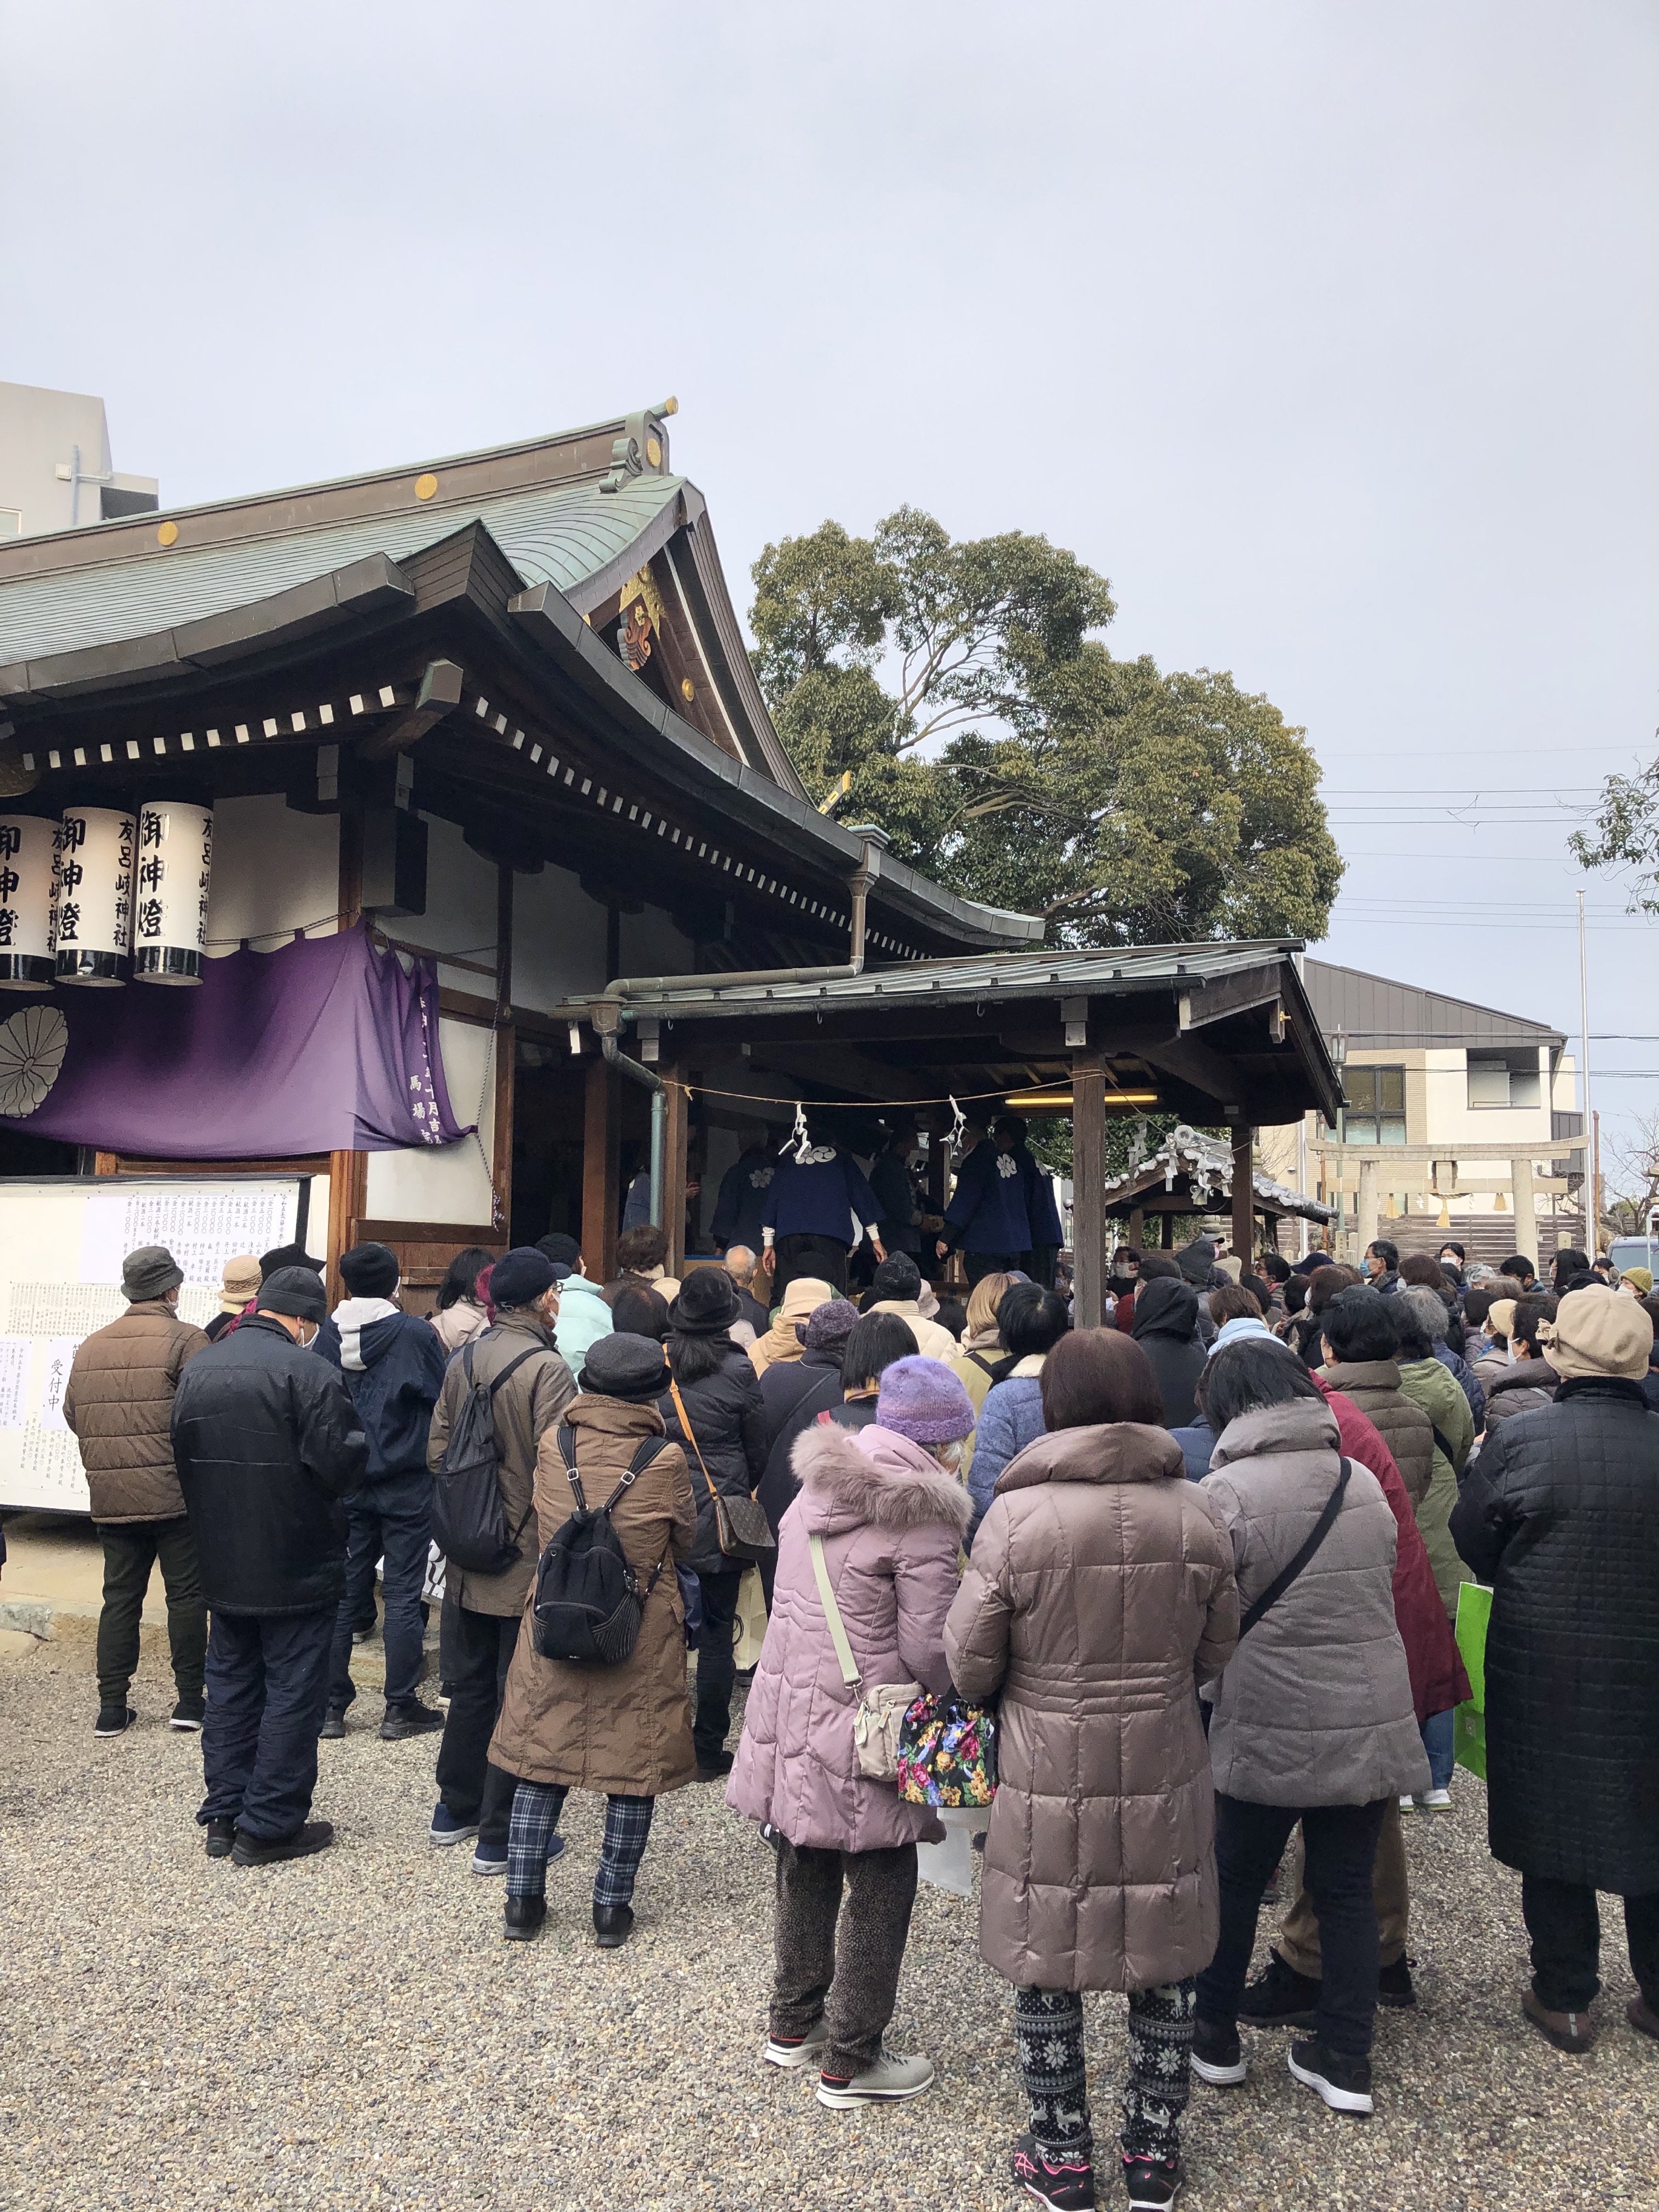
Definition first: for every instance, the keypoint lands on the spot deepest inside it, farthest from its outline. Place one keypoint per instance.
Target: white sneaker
(1435, 1800)
(890, 2078)
(807, 2052)
(1409, 1804)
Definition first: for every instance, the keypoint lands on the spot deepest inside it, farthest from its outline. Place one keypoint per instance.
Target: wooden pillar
(1166, 1231)
(347, 1202)
(1244, 1196)
(348, 1172)
(1088, 1186)
(506, 1055)
(1526, 1209)
(1134, 1235)
(676, 1135)
(601, 1169)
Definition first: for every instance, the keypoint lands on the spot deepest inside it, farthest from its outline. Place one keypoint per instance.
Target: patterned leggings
(535, 1809)
(1048, 2025)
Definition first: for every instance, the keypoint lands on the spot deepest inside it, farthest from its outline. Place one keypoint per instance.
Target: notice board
(62, 1243)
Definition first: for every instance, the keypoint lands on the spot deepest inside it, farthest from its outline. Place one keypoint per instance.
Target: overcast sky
(1330, 334)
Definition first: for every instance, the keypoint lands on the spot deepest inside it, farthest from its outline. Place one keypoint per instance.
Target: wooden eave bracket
(440, 695)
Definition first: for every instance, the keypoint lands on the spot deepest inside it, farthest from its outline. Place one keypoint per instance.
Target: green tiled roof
(555, 534)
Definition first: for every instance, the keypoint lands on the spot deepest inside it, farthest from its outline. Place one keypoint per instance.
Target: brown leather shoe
(1571, 2031)
(1643, 2018)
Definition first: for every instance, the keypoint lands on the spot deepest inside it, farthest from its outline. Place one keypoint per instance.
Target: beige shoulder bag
(877, 1714)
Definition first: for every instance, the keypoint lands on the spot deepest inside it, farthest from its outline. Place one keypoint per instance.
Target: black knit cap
(287, 1256)
(707, 1304)
(369, 1271)
(296, 1291)
(630, 1368)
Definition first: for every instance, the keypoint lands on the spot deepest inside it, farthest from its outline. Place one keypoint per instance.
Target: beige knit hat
(241, 1283)
(1500, 1316)
(1598, 1334)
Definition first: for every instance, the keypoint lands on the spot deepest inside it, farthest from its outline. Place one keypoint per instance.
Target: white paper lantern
(94, 895)
(27, 855)
(170, 904)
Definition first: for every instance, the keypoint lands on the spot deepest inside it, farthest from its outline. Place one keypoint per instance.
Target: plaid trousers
(535, 1809)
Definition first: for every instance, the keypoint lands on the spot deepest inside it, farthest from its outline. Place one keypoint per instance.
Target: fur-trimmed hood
(873, 1477)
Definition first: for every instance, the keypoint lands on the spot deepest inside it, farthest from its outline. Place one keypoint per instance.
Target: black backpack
(588, 1602)
(469, 1521)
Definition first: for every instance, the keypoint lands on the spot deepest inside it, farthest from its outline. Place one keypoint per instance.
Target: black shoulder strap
(511, 1368)
(1286, 1575)
(636, 1467)
(567, 1453)
(980, 1361)
(1445, 1447)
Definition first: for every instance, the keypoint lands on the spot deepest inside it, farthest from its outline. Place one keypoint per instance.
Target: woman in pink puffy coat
(888, 1505)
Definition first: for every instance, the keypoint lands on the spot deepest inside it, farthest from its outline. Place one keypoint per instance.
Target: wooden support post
(507, 1054)
(347, 1201)
(1135, 1233)
(676, 1133)
(1088, 1186)
(601, 1169)
(1244, 1196)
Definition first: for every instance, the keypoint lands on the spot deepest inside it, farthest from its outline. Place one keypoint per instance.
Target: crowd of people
(1203, 1563)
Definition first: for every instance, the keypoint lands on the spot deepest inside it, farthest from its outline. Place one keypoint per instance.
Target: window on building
(1495, 1083)
(11, 522)
(1376, 1104)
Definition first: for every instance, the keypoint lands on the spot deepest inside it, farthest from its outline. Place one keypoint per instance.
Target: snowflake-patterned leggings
(1049, 2024)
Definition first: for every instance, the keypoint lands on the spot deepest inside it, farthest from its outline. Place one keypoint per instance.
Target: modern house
(1460, 1121)
(56, 472)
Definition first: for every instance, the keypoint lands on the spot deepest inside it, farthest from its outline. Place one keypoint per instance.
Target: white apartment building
(56, 472)
(1461, 1121)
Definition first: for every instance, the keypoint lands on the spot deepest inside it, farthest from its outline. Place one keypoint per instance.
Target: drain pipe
(638, 1073)
(873, 841)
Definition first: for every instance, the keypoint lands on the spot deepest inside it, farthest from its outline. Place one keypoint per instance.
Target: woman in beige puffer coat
(1100, 1594)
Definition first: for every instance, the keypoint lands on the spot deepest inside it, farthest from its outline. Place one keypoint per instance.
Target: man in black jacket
(1560, 1515)
(392, 1366)
(267, 1444)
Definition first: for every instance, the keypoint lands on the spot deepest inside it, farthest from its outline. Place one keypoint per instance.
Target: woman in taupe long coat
(624, 1730)
(1099, 1595)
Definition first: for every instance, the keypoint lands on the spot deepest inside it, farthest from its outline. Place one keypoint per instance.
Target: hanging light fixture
(94, 895)
(170, 907)
(1500, 1204)
(28, 849)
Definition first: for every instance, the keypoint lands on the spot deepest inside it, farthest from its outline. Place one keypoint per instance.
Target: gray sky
(1330, 334)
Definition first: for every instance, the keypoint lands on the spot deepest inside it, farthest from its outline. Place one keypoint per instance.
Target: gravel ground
(351, 2030)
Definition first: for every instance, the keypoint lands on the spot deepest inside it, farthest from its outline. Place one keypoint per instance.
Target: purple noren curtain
(325, 1046)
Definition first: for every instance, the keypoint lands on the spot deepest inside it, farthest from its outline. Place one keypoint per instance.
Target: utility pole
(1592, 1122)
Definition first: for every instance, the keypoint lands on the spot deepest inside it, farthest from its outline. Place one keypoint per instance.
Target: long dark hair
(694, 1358)
(461, 1277)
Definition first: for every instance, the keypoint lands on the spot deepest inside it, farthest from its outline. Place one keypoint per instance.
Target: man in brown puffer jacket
(118, 1401)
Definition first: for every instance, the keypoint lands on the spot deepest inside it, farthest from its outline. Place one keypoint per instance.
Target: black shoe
(715, 1767)
(221, 1835)
(115, 1720)
(412, 1719)
(1152, 2182)
(315, 1835)
(334, 1727)
(524, 1916)
(1069, 2187)
(1281, 1997)
(612, 1925)
(1217, 2058)
(1344, 2083)
(1393, 1985)
(189, 1714)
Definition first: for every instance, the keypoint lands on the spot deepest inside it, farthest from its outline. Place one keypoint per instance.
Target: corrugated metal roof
(553, 534)
(1378, 1012)
(1002, 974)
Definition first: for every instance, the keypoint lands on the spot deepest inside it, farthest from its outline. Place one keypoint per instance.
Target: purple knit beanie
(828, 1327)
(923, 1400)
